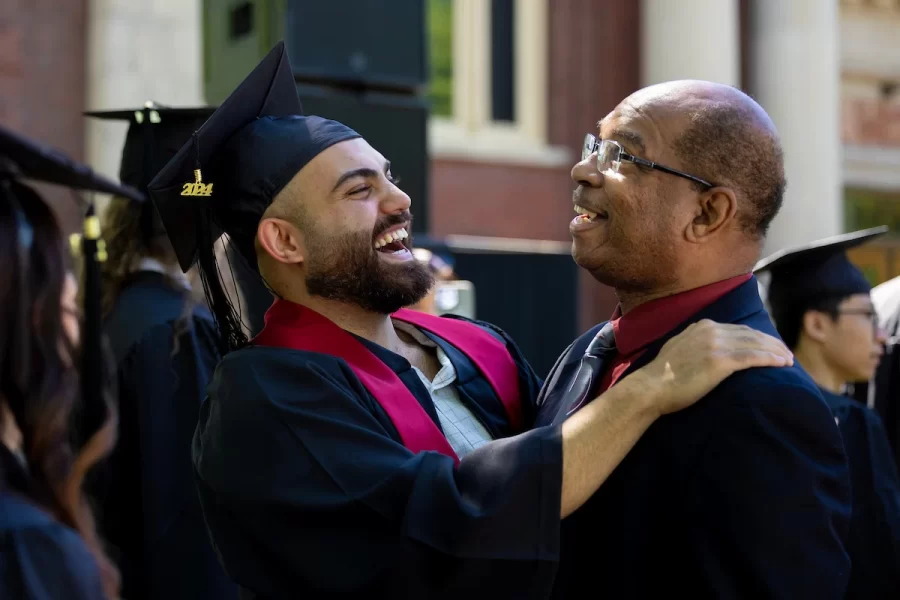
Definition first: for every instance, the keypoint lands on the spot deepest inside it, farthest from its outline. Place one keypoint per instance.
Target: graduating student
(821, 306)
(50, 368)
(356, 449)
(165, 350)
(882, 392)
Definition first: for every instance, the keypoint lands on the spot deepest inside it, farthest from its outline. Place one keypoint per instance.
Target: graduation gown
(883, 391)
(874, 539)
(40, 558)
(745, 494)
(309, 491)
(149, 510)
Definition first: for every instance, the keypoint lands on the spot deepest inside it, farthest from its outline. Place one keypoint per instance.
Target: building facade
(515, 85)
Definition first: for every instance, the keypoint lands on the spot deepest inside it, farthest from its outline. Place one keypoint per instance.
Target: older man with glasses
(746, 494)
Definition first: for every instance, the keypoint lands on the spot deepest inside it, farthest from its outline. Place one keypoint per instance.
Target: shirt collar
(652, 320)
(153, 265)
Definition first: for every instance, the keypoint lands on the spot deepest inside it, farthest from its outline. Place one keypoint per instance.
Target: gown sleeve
(304, 488)
(47, 562)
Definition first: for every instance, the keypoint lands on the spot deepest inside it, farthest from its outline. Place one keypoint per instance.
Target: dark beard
(347, 269)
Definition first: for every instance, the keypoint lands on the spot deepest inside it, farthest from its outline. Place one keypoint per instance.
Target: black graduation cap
(805, 275)
(155, 134)
(230, 171)
(24, 159)
(247, 151)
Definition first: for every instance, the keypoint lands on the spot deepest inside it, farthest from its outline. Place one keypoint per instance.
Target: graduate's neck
(815, 364)
(375, 327)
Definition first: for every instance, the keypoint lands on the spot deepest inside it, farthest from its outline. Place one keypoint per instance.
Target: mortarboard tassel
(197, 187)
(93, 251)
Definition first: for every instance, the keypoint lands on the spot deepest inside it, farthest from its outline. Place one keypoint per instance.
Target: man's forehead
(344, 156)
(644, 125)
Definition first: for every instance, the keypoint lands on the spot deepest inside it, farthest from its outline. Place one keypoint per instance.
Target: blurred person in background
(441, 270)
(164, 346)
(822, 308)
(49, 546)
(882, 391)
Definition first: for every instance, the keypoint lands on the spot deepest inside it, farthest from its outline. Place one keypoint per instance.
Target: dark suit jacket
(744, 495)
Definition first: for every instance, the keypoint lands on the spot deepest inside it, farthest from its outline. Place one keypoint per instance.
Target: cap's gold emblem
(198, 188)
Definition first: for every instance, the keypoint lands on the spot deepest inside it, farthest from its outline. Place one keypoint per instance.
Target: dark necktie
(596, 358)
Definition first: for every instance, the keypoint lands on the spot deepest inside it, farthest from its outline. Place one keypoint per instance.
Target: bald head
(722, 135)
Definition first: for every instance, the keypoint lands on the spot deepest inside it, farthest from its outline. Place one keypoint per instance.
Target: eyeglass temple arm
(649, 163)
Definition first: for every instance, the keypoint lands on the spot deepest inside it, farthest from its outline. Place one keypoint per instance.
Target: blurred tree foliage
(440, 41)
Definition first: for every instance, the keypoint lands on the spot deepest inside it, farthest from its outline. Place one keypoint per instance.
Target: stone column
(139, 51)
(690, 39)
(795, 75)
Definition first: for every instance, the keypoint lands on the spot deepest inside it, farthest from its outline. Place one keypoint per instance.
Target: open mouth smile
(393, 243)
(588, 216)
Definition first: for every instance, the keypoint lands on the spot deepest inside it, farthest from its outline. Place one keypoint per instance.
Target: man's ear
(281, 240)
(716, 207)
(816, 325)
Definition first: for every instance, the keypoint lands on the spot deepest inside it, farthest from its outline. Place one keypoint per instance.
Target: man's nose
(396, 201)
(585, 173)
(881, 335)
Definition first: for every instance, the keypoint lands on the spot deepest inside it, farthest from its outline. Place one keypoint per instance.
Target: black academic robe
(745, 494)
(40, 558)
(309, 493)
(149, 510)
(874, 540)
(885, 396)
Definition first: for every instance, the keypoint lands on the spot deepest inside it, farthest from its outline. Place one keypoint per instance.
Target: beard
(347, 268)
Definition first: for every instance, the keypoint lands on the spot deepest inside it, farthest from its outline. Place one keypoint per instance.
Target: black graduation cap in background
(155, 134)
(24, 159)
(806, 275)
(230, 171)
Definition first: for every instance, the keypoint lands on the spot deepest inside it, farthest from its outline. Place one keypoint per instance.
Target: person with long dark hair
(49, 546)
(163, 343)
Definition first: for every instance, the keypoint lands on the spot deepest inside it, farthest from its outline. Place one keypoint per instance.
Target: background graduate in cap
(882, 391)
(51, 369)
(356, 449)
(164, 346)
(821, 306)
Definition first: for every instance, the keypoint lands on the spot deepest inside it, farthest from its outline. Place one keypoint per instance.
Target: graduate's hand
(698, 359)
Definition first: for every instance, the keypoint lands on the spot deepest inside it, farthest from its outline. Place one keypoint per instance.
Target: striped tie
(597, 356)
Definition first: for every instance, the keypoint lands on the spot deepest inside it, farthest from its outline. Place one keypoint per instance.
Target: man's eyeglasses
(610, 155)
(865, 312)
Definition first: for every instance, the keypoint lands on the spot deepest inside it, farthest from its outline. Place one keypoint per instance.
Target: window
(488, 88)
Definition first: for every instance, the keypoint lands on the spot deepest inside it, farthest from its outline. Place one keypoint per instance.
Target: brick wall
(871, 121)
(42, 79)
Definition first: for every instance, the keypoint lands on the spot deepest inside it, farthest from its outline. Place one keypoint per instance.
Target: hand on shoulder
(698, 359)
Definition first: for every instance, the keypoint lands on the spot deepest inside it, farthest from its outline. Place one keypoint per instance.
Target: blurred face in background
(850, 341)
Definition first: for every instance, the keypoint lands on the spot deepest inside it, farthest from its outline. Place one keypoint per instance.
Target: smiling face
(635, 241)
(352, 226)
(698, 180)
